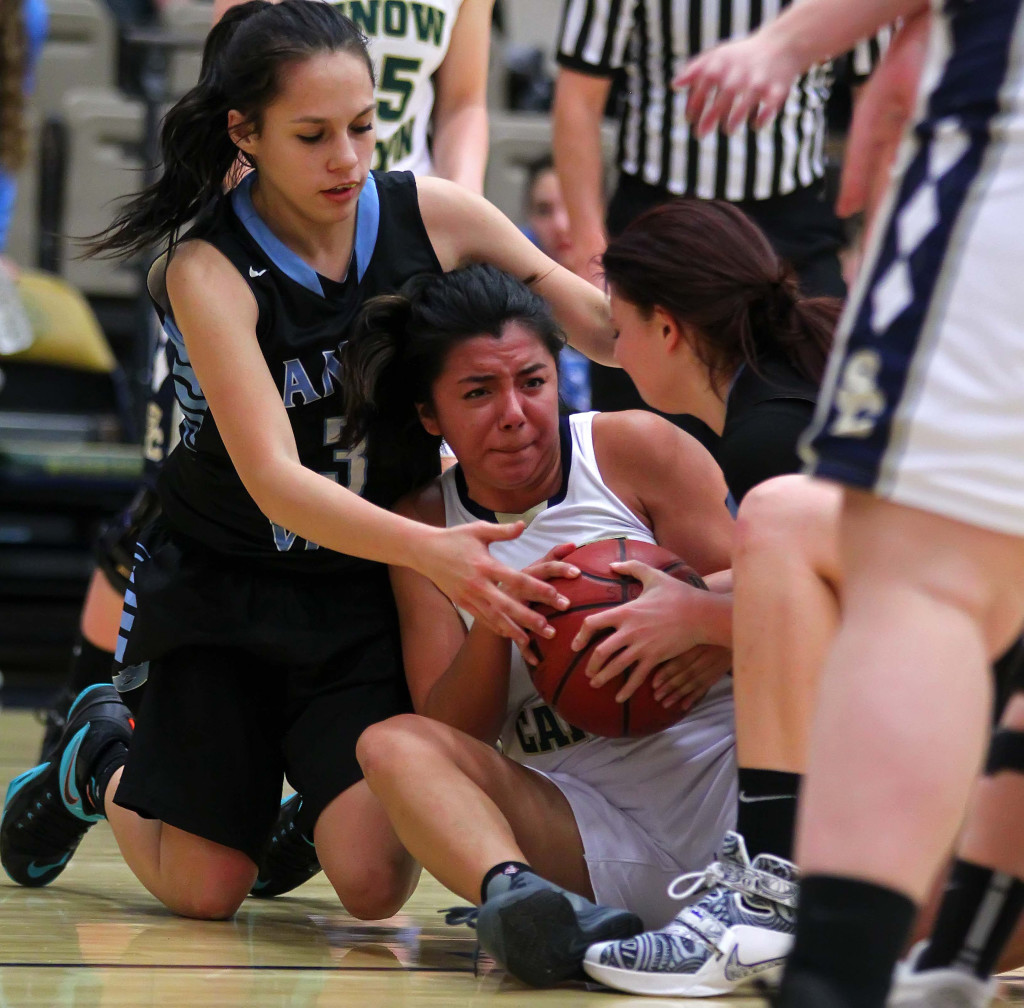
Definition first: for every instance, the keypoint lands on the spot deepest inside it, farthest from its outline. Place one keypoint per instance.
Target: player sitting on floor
(558, 817)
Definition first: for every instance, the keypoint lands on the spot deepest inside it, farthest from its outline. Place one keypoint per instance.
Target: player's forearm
(473, 692)
(460, 146)
(579, 161)
(814, 31)
(716, 617)
(321, 511)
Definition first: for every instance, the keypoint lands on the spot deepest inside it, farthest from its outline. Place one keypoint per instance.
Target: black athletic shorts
(305, 664)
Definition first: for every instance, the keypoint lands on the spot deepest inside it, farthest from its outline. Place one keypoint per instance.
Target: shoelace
(740, 878)
(461, 915)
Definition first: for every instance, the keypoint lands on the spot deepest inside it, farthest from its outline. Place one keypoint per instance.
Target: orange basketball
(559, 677)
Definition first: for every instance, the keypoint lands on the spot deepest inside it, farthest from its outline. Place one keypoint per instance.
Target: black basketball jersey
(302, 318)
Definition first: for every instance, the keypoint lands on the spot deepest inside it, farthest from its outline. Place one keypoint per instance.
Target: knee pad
(115, 545)
(1005, 752)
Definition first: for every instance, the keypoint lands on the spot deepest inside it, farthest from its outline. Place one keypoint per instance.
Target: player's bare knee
(768, 518)
(373, 891)
(207, 901)
(387, 745)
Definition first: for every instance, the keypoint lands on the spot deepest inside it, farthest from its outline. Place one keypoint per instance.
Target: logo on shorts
(858, 400)
(253, 272)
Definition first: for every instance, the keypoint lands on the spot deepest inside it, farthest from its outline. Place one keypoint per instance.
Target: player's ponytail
(708, 265)
(241, 66)
(799, 328)
(375, 377)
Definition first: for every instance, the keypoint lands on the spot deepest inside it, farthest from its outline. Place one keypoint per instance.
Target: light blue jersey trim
(367, 224)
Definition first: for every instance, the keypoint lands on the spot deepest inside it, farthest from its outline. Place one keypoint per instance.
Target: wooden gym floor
(96, 939)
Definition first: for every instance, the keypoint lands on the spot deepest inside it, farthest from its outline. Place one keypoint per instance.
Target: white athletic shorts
(923, 401)
(650, 809)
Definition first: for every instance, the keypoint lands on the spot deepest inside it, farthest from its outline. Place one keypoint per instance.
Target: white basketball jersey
(584, 510)
(408, 42)
(647, 808)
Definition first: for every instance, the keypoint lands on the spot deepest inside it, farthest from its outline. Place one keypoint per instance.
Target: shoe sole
(545, 942)
(713, 978)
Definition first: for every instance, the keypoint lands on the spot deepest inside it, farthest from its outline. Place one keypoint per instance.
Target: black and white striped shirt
(651, 40)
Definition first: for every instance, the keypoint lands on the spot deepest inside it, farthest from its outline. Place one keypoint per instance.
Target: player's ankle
(499, 878)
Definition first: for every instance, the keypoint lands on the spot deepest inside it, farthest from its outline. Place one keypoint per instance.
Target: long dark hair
(707, 264)
(399, 343)
(241, 69)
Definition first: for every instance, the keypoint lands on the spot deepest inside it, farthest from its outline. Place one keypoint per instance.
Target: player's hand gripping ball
(559, 677)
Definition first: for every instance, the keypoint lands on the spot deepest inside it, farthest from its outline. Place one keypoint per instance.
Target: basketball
(559, 677)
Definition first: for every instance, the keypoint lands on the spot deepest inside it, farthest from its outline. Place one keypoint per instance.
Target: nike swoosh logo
(255, 272)
(68, 787)
(750, 799)
(736, 970)
(38, 871)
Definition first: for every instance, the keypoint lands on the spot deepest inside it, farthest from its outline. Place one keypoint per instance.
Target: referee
(776, 175)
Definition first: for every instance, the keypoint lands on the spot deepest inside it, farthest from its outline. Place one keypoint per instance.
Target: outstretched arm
(465, 228)
(217, 316)
(460, 99)
(456, 676)
(751, 77)
(884, 107)
(579, 160)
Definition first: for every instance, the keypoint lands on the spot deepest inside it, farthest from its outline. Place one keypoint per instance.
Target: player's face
(496, 404)
(666, 371)
(548, 218)
(316, 140)
(640, 351)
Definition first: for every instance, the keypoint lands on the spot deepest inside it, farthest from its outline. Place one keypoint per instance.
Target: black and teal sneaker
(290, 858)
(49, 808)
(540, 932)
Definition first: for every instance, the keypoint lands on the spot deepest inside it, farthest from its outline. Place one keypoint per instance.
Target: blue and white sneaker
(738, 932)
(937, 988)
(290, 858)
(49, 808)
(539, 932)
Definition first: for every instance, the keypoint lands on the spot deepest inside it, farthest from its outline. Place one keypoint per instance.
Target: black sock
(89, 665)
(976, 917)
(849, 935)
(767, 811)
(502, 875)
(110, 759)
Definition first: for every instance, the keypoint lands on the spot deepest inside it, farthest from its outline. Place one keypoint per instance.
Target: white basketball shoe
(937, 988)
(739, 931)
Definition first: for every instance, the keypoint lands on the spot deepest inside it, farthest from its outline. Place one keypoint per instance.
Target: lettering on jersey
(153, 447)
(332, 373)
(541, 730)
(352, 475)
(396, 147)
(297, 388)
(284, 540)
(392, 18)
(297, 385)
(859, 402)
